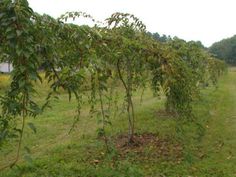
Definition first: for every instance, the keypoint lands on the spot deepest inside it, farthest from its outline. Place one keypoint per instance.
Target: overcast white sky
(205, 20)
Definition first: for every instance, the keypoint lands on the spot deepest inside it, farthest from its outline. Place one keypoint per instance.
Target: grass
(54, 152)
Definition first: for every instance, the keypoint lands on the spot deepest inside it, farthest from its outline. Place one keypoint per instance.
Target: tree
(225, 50)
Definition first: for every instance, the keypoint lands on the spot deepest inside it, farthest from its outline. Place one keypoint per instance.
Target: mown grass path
(219, 143)
(55, 153)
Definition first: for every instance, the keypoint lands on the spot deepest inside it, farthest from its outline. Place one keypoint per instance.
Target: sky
(205, 20)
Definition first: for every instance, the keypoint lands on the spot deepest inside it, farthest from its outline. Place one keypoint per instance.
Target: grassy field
(170, 152)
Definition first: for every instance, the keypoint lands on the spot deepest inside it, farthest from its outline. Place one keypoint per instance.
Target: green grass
(54, 152)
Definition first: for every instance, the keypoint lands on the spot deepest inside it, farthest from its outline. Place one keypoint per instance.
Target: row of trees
(161, 38)
(225, 50)
(94, 61)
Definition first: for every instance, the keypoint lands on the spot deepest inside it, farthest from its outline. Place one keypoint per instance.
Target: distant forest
(166, 38)
(161, 38)
(224, 49)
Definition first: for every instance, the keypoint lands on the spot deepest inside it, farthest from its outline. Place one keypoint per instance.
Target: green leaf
(32, 127)
(18, 32)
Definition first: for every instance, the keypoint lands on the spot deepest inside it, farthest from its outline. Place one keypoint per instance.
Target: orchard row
(94, 61)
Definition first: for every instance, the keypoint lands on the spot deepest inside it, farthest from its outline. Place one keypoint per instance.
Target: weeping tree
(125, 40)
(18, 41)
(181, 69)
(32, 41)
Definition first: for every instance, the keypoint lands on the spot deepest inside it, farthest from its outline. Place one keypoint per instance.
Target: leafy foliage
(225, 50)
(87, 61)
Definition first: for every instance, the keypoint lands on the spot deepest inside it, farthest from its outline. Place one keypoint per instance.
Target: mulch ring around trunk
(149, 146)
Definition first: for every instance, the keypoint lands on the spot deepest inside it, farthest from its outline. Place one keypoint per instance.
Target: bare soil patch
(148, 146)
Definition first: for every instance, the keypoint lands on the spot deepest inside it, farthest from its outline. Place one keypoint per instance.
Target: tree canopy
(225, 50)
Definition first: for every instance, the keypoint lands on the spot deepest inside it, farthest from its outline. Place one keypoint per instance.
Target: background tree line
(225, 50)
